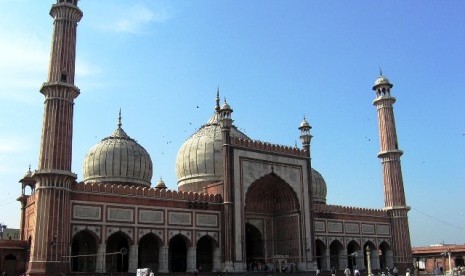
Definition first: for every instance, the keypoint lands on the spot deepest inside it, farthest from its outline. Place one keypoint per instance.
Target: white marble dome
(318, 187)
(200, 159)
(118, 159)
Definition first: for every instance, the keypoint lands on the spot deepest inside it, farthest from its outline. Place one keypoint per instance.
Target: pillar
(191, 259)
(163, 259)
(133, 258)
(100, 265)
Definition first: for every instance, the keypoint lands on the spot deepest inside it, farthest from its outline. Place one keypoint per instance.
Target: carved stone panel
(119, 214)
(150, 216)
(87, 212)
(207, 220)
(179, 218)
(335, 227)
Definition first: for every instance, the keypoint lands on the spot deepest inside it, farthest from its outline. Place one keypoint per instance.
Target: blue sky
(275, 61)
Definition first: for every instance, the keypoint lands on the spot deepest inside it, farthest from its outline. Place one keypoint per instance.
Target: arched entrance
(335, 253)
(10, 265)
(254, 246)
(148, 252)
(116, 262)
(273, 207)
(204, 253)
(459, 261)
(352, 250)
(385, 256)
(373, 255)
(320, 249)
(177, 254)
(84, 243)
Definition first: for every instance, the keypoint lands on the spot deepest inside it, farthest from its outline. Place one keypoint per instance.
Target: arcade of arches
(353, 255)
(119, 254)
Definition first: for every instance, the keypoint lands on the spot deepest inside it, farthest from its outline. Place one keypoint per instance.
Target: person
(333, 271)
(395, 271)
(356, 272)
(347, 271)
(318, 272)
(408, 272)
(151, 273)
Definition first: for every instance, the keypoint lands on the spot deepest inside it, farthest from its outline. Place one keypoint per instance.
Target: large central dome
(200, 160)
(118, 159)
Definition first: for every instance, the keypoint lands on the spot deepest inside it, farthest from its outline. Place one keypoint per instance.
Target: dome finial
(217, 107)
(380, 71)
(119, 118)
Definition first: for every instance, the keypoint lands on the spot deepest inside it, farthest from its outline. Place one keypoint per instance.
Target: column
(191, 259)
(100, 266)
(216, 259)
(374, 260)
(163, 259)
(326, 261)
(360, 259)
(133, 258)
(342, 260)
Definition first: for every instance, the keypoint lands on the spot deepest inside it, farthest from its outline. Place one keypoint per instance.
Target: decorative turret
(305, 136)
(394, 196)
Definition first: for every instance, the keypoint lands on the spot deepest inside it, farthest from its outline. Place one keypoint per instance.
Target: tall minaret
(394, 196)
(51, 241)
(228, 194)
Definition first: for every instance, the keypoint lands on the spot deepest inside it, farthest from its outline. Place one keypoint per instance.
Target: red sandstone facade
(241, 205)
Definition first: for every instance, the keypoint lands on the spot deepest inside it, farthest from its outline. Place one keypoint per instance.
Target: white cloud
(135, 19)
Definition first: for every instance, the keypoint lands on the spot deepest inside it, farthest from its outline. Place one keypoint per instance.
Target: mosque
(241, 204)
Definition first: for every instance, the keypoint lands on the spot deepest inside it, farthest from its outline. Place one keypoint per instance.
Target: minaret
(394, 196)
(228, 195)
(51, 242)
(306, 138)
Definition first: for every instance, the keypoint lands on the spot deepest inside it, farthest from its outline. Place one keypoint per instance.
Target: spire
(217, 107)
(380, 71)
(119, 118)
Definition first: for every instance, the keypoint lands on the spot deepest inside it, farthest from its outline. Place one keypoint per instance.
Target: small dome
(318, 187)
(161, 185)
(200, 160)
(304, 124)
(382, 80)
(225, 106)
(118, 159)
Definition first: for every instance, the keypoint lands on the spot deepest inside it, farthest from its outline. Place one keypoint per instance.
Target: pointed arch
(274, 204)
(84, 248)
(204, 252)
(116, 243)
(177, 253)
(353, 248)
(373, 254)
(336, 255)
(385, 255)
(271, 194)
(149, 251)
(320, 253)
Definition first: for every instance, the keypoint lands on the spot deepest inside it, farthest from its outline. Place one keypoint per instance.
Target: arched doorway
(204, 253)
(459, 261)
(254, 246)
(335, 254)
(352, 250)
(84, 243)
(177, 254)
(373, 255)
(320, 249)
(385, 256)
(116, 262)
(273, 204)
(148, 254)
(10, 265)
